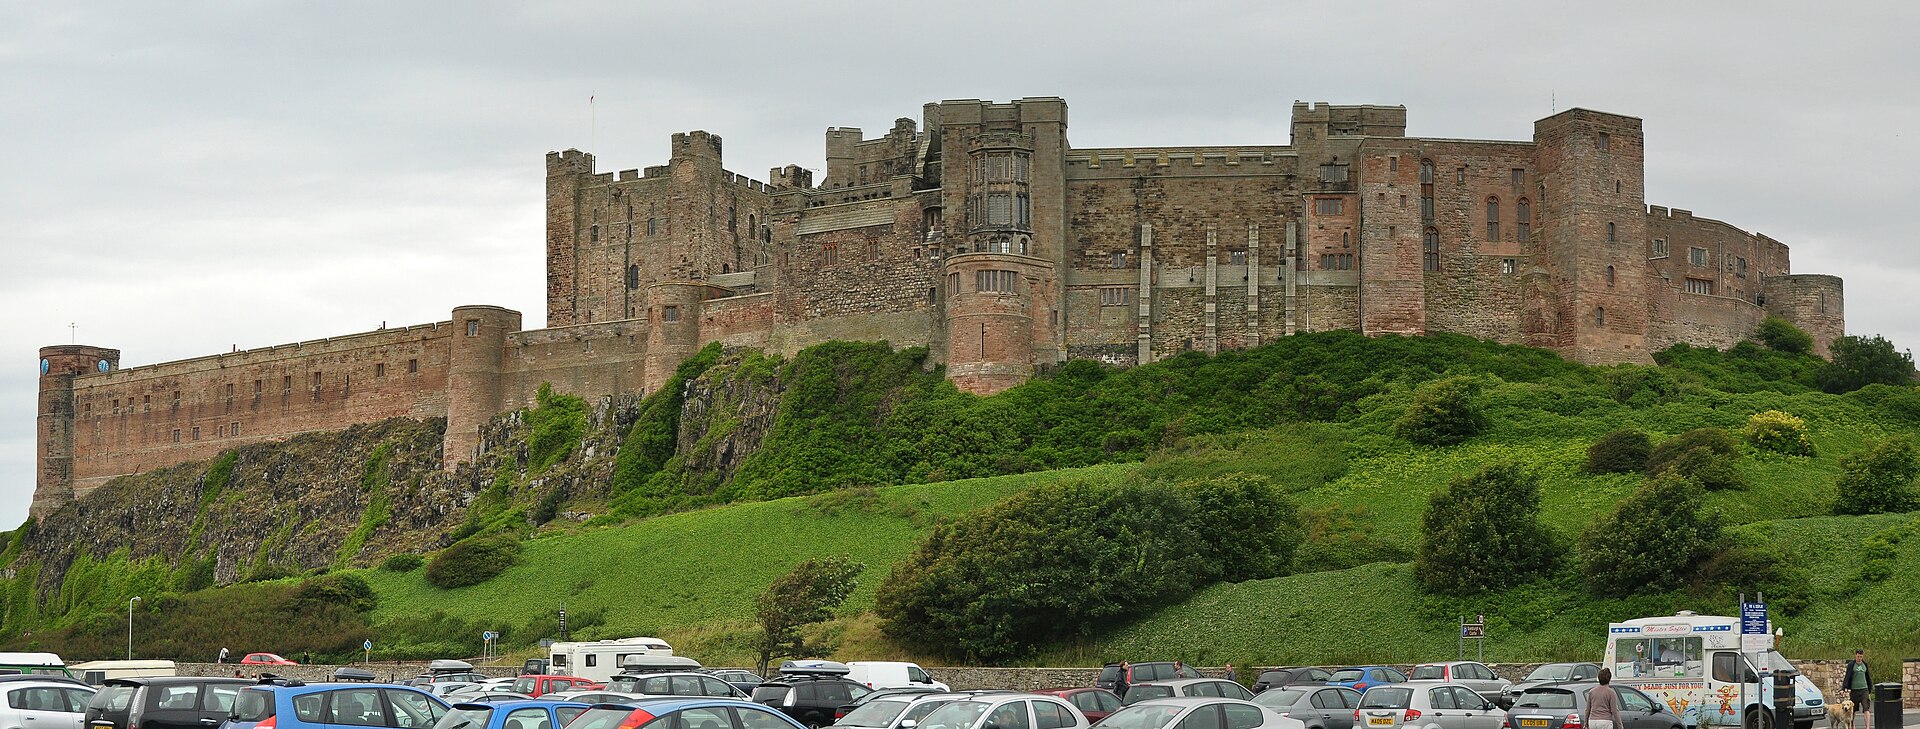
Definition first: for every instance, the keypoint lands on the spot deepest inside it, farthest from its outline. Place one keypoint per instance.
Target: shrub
(404, 562)
(1748, 564)
(1483, 532)
(1621, 451)
(554, 426)
(1654, 540)
(1716, 440)
(1706, 455)
(1878, 479)
(472, 561)
(348, 591)
(1779, 432)
(1631, 384)
(1781, 335)
(1861, 361)
(1442, 413)
(1248, 527)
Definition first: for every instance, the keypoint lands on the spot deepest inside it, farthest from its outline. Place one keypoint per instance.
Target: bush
(1751, 564)
(1708, 456)
(554, 426)
(1781, 335)
(1861, 361)
(1779, 432)
(1654, 540)
(1631, 384)
(1483, 532)
(1249, 529)
(472, 561)
(348, 591)
(405, 562)
(1621, 451)
(1442, 413)
(1878, 479)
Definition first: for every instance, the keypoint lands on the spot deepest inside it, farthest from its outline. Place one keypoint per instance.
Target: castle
(982, 235)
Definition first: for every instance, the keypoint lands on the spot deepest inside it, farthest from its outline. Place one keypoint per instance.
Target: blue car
(522, 714)
(281, 704)
(1360, 678)
(684, 712)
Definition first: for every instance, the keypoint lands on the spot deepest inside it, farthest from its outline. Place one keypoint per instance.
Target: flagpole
(593, 123)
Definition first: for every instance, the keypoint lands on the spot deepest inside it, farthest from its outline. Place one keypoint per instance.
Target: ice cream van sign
(1667, 629)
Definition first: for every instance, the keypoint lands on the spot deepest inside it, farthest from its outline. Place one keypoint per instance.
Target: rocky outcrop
(727, 413)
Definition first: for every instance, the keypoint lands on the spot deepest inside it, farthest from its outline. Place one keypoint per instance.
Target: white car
(892, 674)
(1005, 711)
(43, 704)
(1198, 712)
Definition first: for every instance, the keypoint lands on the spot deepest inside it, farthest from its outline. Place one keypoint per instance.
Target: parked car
(1005, 710)
(1319, 707)
(511, 715)
(1361, 678)
(1550, 707)
(670, 684)
(690, 712)
(812, 696)
(1471, 674)
(37, 703)
(891, 674)
(1093, 703)
(1550, 674)
(265, 659)
(892, 709)
(538, 685)
(294, 705)
(494, 697)
(1416, 704)
(1117, 677)
(743, 680)
(885, 693)
(1291, 676)
(534, 666)
(1186, 687)
(1192, 713)
(163, 702)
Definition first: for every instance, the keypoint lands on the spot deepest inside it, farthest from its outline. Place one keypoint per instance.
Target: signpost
(1477, 630)
(367, 647)
(486, 644)
(1754, 636)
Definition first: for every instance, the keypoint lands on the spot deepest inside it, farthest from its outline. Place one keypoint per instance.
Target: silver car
(1005, 711)
(1476, 676)
(1196, 687)
(1198, 712)
(1426, 705)
(897, 711)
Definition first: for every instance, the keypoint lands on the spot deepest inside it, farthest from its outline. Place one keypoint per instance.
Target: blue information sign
(1753, 618)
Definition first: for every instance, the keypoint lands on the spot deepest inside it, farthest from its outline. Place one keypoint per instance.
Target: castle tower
(1591, 195)
(673, 332)
(474, 363)
(565, 170)
(1814, 302)
(989, 319)
(53, 432)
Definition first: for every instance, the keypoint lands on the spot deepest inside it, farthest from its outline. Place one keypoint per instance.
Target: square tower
(1592, 202)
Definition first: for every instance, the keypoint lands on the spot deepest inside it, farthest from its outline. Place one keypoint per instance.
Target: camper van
(1695, 663)
(97, 672)
(46, 664)
(599, 660)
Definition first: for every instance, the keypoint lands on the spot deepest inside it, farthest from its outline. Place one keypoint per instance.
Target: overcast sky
(180, 178)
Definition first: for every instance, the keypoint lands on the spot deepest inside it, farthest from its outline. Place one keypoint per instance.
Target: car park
(684, 713)
(511, 715)
(1318, 707)
(743, 680)
(1005, 710)
(285, 704)
(1549, 674)
(892, 709)
(1196, 712)
(265, 659)
(1471, 674)
(163, 702)
(1361, 678)
(1186, 687)
(891, 674)
(1117, 677)
(1564, 706)
(1426, 704)
(1291, 676)
(811, 692)
(1093, 703)
(40, 703)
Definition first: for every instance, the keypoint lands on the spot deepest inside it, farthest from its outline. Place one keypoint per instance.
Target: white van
(97, 672)
(1696, 665)
(891, 674)
(599, 660)
(44, 664)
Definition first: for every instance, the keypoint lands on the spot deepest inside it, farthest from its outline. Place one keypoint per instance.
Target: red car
(541, 684)
(1096, 703)
(265, 659)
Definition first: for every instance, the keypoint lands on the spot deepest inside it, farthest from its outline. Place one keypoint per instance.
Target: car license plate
(1379, 721)
(1535, 722)
(1819, 711)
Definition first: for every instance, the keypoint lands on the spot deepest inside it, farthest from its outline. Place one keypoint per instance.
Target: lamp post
(136, 598)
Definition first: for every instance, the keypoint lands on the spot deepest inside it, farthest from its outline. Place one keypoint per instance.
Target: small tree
(1781, 335)
(473, 561)
(807, 595)
(1708, 456)
(1878, 479)
(1632, 384)
(1621, 451)
(1249, 527)
(1861, 361)
(1483, 532)
(1654, 540)
(1442, 413)
(1779, 432)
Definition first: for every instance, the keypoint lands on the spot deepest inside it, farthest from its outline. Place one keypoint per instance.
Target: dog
(1840, 716)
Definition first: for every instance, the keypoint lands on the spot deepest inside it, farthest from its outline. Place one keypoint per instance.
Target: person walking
(1603, 704)
(1859, 679)
(222, 658)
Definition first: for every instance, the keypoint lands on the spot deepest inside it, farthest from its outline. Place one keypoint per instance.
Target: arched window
(1610, 236)
(1430, 250)
(753, 224)
(1599, 316)
(1346, 239)
(1523, 220)
(1609, 277)
(633, 276)
(1493, 218)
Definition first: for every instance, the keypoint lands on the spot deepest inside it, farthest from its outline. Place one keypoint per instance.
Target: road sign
(1473, 630)
(1753, 618)
(367, 646)
(488, 635)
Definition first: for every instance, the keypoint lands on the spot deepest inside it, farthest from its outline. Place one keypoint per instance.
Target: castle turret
(53, 477)
(990, 325)
(474, 361)
(1814, 302)
(564, 171)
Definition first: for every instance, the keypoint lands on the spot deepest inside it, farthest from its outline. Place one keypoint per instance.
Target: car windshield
(922, 709)
(956, 715)
(762, 693)
(252, 705)
(873, 713)
(1150, 716)
(1347, 674)
(1428, 672)
(1545, 699)
(1387, 698)
(1279, 697)
(113, 698)
(1551, 672)
(1138, 694)
(464, 717)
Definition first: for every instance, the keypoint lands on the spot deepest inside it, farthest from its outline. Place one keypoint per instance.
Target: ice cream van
(1696, 664)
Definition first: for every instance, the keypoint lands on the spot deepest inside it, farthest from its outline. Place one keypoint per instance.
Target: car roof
(301, 688)
(1191, 701)
(519, 703)
(663, 704)
(38, 681)
(1563, 686)
(173, 680)
(1178, 682)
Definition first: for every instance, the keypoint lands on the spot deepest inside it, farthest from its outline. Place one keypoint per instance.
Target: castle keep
(983, 235)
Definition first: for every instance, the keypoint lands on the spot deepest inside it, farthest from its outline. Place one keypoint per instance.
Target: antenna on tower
(73, 333)
(593, 123)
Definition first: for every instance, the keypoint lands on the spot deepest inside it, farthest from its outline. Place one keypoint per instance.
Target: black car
(1117, 677)
(1291, 676)
(810, 700)
(1549, 707)
(163, 702)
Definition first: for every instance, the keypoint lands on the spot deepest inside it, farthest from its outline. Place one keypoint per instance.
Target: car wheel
(1808, 724)
(1757, 719)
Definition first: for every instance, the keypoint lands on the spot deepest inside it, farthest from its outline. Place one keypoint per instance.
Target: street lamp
(136, 598)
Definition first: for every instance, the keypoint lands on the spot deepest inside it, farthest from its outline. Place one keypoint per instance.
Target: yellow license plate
(1379, 721)
(1535, 722)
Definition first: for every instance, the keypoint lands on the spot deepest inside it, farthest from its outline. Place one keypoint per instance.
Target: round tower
(53, 434)
(990, 301)
(1814, 302)
(673, 328)
(475, 358)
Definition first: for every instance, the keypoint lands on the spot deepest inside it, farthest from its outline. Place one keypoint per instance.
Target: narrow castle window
(873, 250)
(1519, 178)
(1393, 164)
(1610, 236)
(1599, 316)
(286, 384)
(413, 366)
(1523, 224)
(593, 232)
(1616, 187)
(196, 433)
(1740, 267)
(473, 330)
(1493, 218)
(233, 430)
(1426, 191)
(1346, 239)
(1659, 246)
(652, 226)
(176, 435)
(1430, 250)
(379, 369)
(1604, 142)
(1609, 277)
(633, 276)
